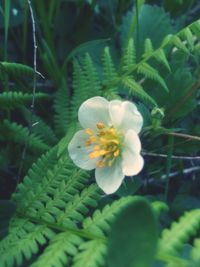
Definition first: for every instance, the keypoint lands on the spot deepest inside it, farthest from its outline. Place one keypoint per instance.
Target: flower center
(106, 144)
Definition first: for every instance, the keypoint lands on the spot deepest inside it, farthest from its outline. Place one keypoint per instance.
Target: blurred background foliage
(76, 42)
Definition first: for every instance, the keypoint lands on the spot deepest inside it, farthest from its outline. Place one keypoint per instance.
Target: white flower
(109, 142)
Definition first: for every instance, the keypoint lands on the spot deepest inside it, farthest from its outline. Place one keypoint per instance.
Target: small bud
(158, 113)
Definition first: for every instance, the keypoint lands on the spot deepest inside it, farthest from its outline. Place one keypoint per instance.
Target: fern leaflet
(10, 100)
(136, 90)
(151, 73)
(129, 56)
(173, 239)
(91, 254)
(61, 107)
(19, 134)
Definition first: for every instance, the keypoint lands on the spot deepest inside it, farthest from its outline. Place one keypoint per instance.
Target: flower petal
(132, 162)
(125, 115)
(79, 152)
(116, 112)
(92, 111)
(109, 179)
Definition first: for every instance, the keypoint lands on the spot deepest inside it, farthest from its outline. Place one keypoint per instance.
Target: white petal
(92, 111)
(125, 115)
(109, 179)
(132, 162)
(79, 153)
(116, 112)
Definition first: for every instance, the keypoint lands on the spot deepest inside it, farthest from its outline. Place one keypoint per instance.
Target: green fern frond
(22, 242)
(35, 176)
(46, 198)
(173, 239)
(166, 41)
(61, 107)
(20, 135)
(160, 56)
(79, 89)
(148, 48)
(137, 91)
(78, 207)
(99, 223)
(195, 27)
(178, 43)
(11, 100)
(91, 254)
(40, 127)
(91, 77)
(59, 251)
(188, 36)
(15, 70)
(86, 84)
(151, 73)
(129, 56)
(109, 72)
(56, 198)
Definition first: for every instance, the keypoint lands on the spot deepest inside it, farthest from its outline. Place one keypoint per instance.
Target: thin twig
(34, 56)
(185, 172)
(150, 154)
(187, 136)
(34, 88)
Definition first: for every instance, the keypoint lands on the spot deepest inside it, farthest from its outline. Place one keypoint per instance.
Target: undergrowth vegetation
(53, 213)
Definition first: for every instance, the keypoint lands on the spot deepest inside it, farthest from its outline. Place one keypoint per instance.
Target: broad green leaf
(133, 238)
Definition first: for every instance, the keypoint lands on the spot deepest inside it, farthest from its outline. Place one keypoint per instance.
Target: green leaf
(133, 237)
(92, 47)
(130, 23)
(182, 99)
(155, 24)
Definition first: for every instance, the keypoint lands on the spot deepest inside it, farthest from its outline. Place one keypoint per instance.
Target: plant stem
(187, 136)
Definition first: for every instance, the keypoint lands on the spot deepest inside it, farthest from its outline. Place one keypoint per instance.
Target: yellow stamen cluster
(106, 144)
